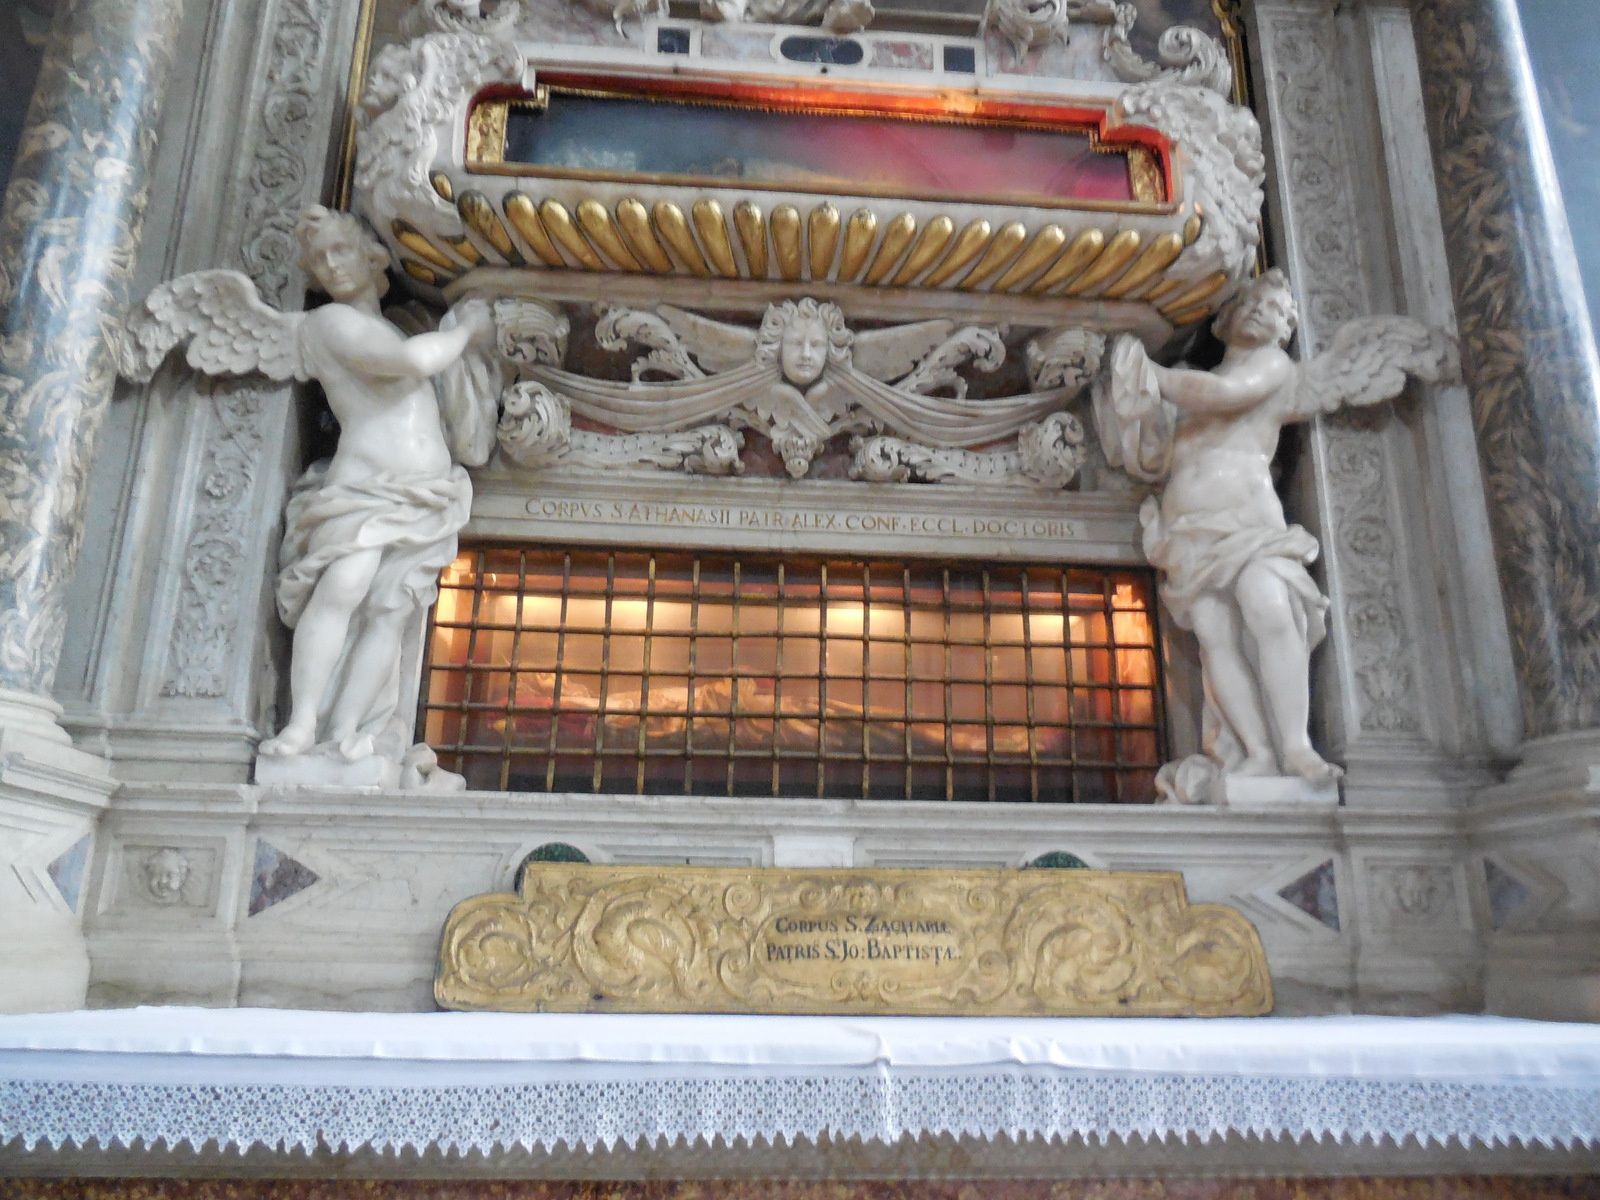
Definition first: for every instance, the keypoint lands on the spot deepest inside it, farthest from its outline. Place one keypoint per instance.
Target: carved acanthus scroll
(1186, 55)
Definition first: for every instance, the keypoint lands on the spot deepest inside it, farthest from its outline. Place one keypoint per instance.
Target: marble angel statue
(368, 530)
(1233, 569)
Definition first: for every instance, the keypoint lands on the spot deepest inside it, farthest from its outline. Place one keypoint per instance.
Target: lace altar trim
(871, 1106)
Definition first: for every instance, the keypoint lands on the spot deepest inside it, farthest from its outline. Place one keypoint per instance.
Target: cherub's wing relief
(227, 329)
(1368, 362)
(888, 354)
(717, 346)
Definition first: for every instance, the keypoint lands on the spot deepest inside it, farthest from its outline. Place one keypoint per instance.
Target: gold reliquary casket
(583, 154)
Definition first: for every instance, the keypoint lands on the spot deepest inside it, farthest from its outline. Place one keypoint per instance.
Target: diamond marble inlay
(1316, 894)
(1507, 893)
(277, 876)
(66, 872)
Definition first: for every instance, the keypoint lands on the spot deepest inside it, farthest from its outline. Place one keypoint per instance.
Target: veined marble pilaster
(69, 233)
(1528, 349)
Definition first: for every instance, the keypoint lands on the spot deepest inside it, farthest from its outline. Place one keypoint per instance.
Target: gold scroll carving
(580, 938)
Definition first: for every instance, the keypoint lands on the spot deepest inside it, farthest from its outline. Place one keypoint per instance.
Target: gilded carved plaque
(581, 938)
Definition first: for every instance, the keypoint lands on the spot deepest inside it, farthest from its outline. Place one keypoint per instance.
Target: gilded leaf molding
(1331, 278)
(1527, 351)
(581, 938)
(206, 641)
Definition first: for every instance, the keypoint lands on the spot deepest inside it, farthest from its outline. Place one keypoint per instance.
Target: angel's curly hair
(317, 221)
(778, 318)
(1270, 283)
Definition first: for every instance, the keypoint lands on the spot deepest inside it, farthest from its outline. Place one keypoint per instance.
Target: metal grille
(678, 674)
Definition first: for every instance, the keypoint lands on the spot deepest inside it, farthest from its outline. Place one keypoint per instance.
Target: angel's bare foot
(295, 739)
(1312, 767)
(1256, 766)
(356, 747)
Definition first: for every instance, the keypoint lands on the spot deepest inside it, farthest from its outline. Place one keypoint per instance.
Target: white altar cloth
(245, 1078)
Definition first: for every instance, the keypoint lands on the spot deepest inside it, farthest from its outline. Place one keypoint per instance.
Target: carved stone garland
(799, 379)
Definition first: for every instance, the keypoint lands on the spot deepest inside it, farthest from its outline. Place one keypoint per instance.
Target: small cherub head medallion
(165, 872)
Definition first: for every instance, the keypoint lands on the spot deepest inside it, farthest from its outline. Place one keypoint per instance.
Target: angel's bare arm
(1207, 392)
(375, 348)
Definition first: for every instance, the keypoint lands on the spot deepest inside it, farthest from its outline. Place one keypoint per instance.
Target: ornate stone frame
(1418, 653)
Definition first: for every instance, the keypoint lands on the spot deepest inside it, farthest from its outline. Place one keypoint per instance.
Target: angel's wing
(1368, 362)
(887, 354)
(717, 346)
(229, 331)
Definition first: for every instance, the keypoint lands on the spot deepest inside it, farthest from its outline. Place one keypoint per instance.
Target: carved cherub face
(804, 351)
(1263, 315)
(340, 266)
(165, 873)
(341, 255)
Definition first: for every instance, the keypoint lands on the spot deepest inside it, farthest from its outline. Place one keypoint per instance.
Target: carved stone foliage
(69, 234)
(1527, 351)
(536, 431)
(486, 17)
(1331, 282)
(1049, 453)
(1224, 141)
(1027, 23)
(1186, 54)
(800, 379)
(412, 89)
(206, 638)
(580, 938)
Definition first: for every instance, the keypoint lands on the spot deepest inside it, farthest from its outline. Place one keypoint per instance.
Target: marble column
(69, 235)
(1528, 350)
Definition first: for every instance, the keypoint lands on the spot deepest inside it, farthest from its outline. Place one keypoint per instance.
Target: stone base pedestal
(51, 798)
(314, 897)
(327, 770)
(1536, 839)
(1272, 791)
